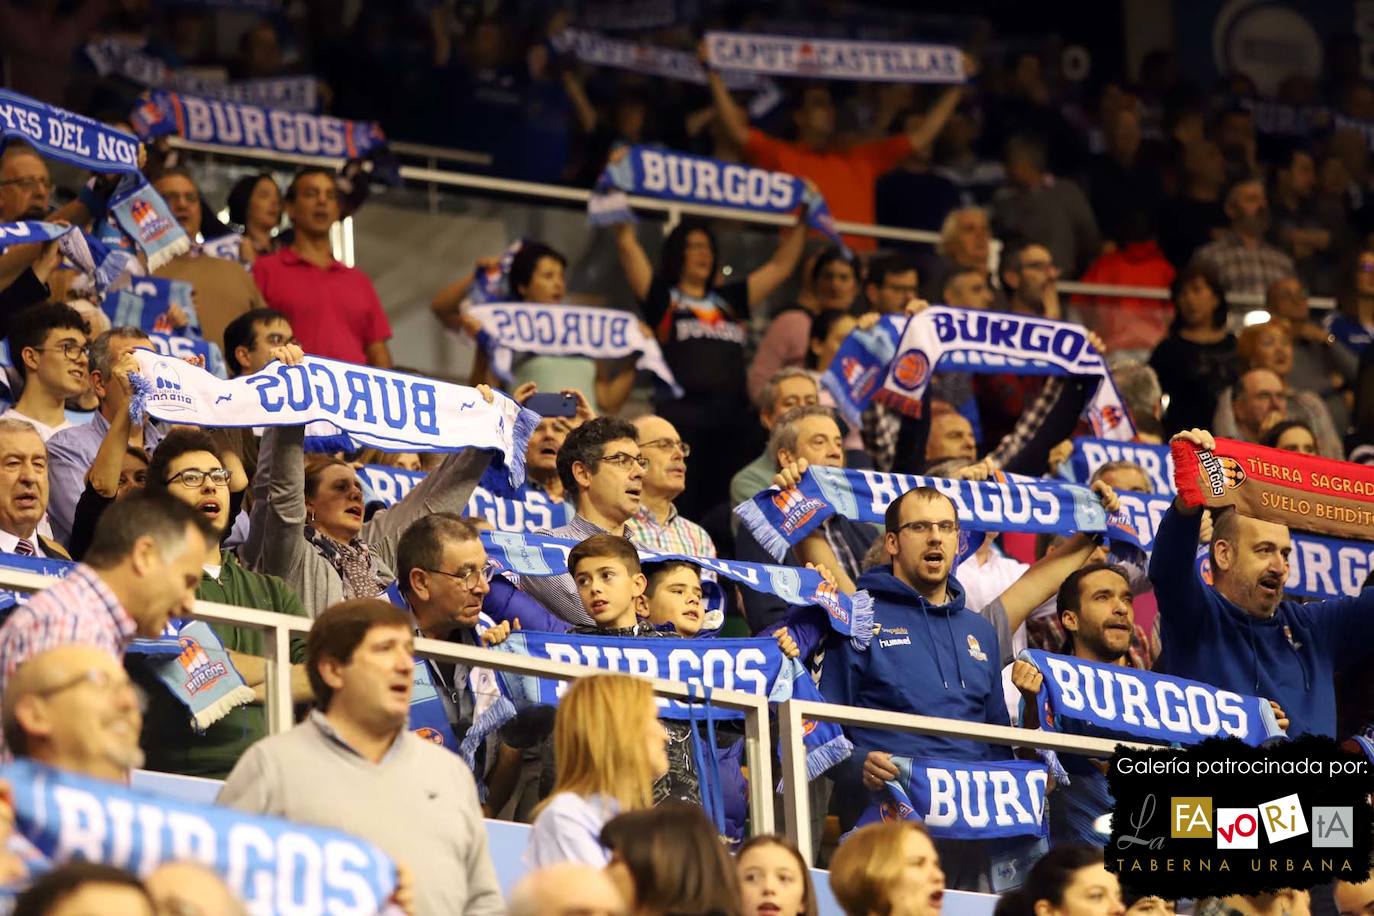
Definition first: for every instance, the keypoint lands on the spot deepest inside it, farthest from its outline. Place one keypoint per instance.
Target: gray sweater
(419, 805)
(276, 542)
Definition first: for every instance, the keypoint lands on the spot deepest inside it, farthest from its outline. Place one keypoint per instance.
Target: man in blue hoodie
(929, 656)
(1239, 634)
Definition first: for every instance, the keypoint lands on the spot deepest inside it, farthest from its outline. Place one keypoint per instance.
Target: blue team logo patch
(975, 650)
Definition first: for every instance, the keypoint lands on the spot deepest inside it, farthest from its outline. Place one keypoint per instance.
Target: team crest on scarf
(976, 650)
(796, 507)
(201, 670)
(896, 811)
(151, 226)
(861, 379)
(911, 370)
(430, 735)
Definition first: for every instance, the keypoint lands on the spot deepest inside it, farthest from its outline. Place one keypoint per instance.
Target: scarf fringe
(525, 423)
(484, 723)
(769, 539)
(1186, 473)
(861, 624)
(821, 759)
(239, 696)
(172, 250)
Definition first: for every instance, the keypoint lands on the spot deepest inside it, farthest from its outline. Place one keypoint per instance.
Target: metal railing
(758, 742)
(434, 177)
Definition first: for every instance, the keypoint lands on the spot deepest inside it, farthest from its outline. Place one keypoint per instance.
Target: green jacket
(168, 740)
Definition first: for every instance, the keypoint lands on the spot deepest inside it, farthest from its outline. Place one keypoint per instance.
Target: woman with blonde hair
(890, 869)
(609, 748)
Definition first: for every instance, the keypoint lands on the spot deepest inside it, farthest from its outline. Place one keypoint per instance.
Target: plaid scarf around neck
(352, 561)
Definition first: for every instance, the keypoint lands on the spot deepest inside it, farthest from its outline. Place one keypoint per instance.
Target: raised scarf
(964, 800)
(112, 57)
(505, 509)
(567, 330)
(969, 340)
(1301, 491)
(236, 124)
(144, 217)
(1087, 698)
(265, 861)
(74, 139)
(835, 59)
(105, 266)
(360, 405)
(191, 662)
(1090, 454)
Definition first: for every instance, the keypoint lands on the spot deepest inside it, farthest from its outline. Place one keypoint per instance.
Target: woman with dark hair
(774, 879)
(1291, 436)
(702, 325)
(669, 859)
(1069, 880)
(834, 285)
(1197, 361)
(255, 208)
(537, 274)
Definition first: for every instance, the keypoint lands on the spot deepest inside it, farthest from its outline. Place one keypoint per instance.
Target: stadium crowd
(1155, 183)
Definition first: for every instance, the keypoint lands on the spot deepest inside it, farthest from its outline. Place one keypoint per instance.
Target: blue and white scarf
(819, 58)
(567, 330)
(111, 56)
(142, 215)
(754, 666)
(106, 267)
(857, 369)
(1090, 454)
(964, 800)
(243, 126)
(509, 509)
(669, 175)
(779, 519)
(544, 555)
(361, 405)
(970, 340)
(269, 863)
(493, 284)
(75, 139)
(147, 304)
(1080, 697)
(191, 662)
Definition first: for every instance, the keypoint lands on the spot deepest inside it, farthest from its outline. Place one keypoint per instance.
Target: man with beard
(1240, 634)
(1241, 259)
(930, 655)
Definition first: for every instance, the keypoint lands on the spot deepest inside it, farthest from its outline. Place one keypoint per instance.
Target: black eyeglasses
(73, 351)
(920, 528)
(468, 579)
(29, 185)
(623, 460)
(194, 477)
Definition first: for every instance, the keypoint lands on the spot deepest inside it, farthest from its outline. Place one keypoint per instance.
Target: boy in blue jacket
(1240, 634)
(930, 656)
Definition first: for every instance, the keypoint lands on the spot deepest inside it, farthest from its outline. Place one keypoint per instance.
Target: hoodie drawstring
(935, 652)
(1254, 654)
(954, 647)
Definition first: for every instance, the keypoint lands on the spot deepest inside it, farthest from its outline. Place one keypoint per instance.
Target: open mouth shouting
(210, 507)
(1271, 584)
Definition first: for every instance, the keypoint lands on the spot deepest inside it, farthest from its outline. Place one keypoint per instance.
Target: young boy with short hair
(605, 569)
(674, 598)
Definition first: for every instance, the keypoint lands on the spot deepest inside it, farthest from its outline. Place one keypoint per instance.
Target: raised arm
(639, 273)
(775, 271)
(733, 119)
(109, 458)
(924, 133)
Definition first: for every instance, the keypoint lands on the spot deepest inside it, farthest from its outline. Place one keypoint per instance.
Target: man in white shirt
(24, 491)
(48, 348)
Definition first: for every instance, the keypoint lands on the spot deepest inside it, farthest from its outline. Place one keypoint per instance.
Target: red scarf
(1306, 492)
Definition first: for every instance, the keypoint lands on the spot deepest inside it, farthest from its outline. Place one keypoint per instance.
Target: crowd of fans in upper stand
(1155, 183)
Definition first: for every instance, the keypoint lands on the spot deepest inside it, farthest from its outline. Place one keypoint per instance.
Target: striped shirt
(559, 593)
(79, 610)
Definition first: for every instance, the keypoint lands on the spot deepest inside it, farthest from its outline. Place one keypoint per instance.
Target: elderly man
(657, 525)
(1240, 258)
(951, 436)
(788, 388)
(355, 748)
(24, 492)
(602, 471)
(72, 451)
(807, 436)
(25, 194)
(48, 347)
(73, 708)
(1320, 365)
(968, 288)
(223, 289)
(1239, 633)
(141, 569)
(965, 244)
(1259, 399)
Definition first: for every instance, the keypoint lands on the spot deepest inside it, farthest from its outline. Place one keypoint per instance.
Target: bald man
(657, 525)
(188, 887)
(1354, 899)
(568, 889)
(74, 708)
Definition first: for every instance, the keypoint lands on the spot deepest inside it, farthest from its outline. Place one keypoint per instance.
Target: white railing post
(277, 652)
(758, 756)
(796, 807)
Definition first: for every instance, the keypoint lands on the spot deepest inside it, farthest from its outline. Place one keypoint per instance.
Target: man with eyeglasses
(657, 524)
(223, 289)
(190, 468)
(48, 348)
(71, 452)
(1258, 400)
(602, 471)
(24, 491)
(788, 388)
(929, 655)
